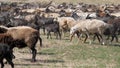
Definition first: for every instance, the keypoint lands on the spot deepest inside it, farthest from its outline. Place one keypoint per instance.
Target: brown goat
(24, 36)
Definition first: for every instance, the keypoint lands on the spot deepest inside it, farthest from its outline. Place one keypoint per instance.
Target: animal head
(3, 29)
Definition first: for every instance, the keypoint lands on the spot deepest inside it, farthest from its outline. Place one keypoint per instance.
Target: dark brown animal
(6, 53)
(24, 36)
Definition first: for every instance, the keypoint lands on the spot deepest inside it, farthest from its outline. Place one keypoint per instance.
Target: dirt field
(66, 54)
(46, 57)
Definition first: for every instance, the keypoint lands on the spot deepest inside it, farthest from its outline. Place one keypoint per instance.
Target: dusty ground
(44, 59)
(23, 59)
(66, 54)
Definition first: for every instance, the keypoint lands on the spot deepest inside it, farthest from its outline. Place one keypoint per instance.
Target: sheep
(88, 26)
(32, 11)
(24, 36)
(50, 15)
(68, 21)
(6, 53)
(65, 23)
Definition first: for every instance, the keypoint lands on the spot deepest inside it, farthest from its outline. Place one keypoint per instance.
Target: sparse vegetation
(66, 54)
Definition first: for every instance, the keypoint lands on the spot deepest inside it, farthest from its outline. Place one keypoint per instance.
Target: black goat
(6, 53)
(54, 27)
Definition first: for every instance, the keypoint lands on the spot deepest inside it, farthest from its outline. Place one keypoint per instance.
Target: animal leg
(78, 34)
(102, 39)
(10, 61)
(79, 37)
(2, 64)
(86, 36)
(56, 33)
(48, 34)
(13, 56)
(71, 37)
(40, 41)
(59, 35)
(114, 36)
(96, 35)
(34, 51)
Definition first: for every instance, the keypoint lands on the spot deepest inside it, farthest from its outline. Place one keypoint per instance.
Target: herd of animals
(21, 24)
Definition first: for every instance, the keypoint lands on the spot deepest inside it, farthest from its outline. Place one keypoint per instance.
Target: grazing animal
(6, 53)
(65, 23)
(53, 28)
(80, 16)
(90, 26)
(116, 29)
(42, 21)
(17, 22)
(24, 36)
(50, 24)
(113, 20)
(14, 22)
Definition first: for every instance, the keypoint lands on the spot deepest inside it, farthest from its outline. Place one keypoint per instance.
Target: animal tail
(38, 37)
(40, 40)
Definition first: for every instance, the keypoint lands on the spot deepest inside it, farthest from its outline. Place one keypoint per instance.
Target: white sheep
(89, 26)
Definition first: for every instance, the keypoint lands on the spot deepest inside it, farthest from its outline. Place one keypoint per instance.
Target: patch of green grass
(66, 54)
(88, 56)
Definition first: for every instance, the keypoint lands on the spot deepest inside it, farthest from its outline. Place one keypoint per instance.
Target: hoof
(33, 60)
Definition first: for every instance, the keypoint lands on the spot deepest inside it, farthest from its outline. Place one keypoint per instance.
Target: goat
(5, 53)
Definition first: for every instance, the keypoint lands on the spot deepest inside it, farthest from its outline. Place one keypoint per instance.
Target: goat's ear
(3, 29)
